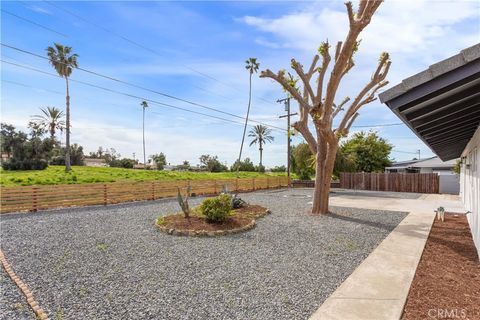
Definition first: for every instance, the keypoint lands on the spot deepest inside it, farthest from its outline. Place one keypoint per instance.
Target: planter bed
(242, 219)
(447, 281)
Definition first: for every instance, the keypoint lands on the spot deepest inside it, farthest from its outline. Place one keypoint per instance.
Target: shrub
(260, 168)
(245, 165)
(26, 164)
(279, 169)
(122, 163)
(217, 209)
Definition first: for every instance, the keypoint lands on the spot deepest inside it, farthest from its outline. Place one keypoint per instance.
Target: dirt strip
(25, 290)
(447, 281)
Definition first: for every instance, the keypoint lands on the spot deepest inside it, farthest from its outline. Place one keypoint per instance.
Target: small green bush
(217, 209)
(27, 164)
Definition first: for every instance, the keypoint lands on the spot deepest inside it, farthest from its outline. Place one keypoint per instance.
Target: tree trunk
(261, 154)
(246, 121)
(323, 175)
(143, 130)
(67, 131)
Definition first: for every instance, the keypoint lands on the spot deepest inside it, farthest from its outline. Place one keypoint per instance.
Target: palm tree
(63, 61)
(51, 120)
(144, 105)
(252, 66)
(260, 135)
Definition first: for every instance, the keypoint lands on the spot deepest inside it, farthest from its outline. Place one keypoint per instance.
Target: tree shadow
(374, 224)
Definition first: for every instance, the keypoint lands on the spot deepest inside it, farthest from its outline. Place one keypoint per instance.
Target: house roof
(433, 162)
(441, 104)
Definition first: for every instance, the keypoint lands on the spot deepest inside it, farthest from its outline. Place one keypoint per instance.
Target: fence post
(105, 194)
(236, 184)
(153, 190)
(34, 197)
(215, 186)
(268, 184)
(253, 183)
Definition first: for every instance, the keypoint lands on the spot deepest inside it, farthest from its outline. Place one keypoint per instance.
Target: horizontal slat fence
(397, 182)
(34, 198)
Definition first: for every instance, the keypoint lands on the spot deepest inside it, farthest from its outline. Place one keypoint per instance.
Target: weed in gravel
(82, 291)
(59, 314)
(347, 244)
(109, 296)
(18, 306)
(102, 247)
(59, 264)
(161, 221)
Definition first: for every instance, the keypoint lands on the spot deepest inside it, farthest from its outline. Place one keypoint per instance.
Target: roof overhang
(441, 105)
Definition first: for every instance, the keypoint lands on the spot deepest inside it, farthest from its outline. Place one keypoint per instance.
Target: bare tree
(319, 104)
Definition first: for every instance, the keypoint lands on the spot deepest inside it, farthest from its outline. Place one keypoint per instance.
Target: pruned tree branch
(347, 129)
(376, 82)
(340, 106)
(324, 51)
(306, 81)
(280, 78)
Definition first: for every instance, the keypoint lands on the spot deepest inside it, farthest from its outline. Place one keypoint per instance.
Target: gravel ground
(112, 263)
(12, 302)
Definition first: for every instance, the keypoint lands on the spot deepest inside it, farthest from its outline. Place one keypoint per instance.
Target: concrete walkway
(379, 287)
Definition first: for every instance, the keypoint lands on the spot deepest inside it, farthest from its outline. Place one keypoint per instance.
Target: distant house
(429, 165)
(95, 162)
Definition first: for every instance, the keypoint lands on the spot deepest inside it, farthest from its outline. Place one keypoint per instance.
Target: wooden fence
(397, 182)
(34, 198)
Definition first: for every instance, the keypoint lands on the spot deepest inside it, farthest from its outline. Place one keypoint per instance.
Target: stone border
(205, 233)
(39, 312)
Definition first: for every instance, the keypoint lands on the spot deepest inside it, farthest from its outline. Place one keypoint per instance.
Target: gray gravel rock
(112, 263)
(13, 304)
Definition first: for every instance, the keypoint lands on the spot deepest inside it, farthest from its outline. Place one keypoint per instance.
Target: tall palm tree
(252, 66)
(51, 119)
(64, 61)
(144, 105)
(260, 135)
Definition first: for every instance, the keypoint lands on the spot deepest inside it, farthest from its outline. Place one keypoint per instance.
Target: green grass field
(78, 175)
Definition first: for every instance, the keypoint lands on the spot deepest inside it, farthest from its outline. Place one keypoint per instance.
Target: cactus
(183, 202)
(225, 189)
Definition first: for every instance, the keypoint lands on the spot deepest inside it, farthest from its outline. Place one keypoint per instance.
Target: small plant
(161, 221)
(217, 209)
(59, 314)
(237, 202)
(102, 247)
(183, 202)
(82, 292)
(18, 306)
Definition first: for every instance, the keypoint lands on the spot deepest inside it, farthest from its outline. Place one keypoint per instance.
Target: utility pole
(286, 101)
(144, 106)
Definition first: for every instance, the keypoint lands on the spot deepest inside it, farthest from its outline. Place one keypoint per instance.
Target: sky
(196, 51)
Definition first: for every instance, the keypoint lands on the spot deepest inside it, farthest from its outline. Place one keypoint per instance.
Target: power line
(405, 152)
(379, 125)
(128, 94)
(135, 43)
(34, 23)
(142, 88)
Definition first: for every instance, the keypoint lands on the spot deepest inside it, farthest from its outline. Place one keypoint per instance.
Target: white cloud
(39, 9)
(398, 26)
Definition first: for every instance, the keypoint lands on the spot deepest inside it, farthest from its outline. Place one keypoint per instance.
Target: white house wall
(470, 185)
